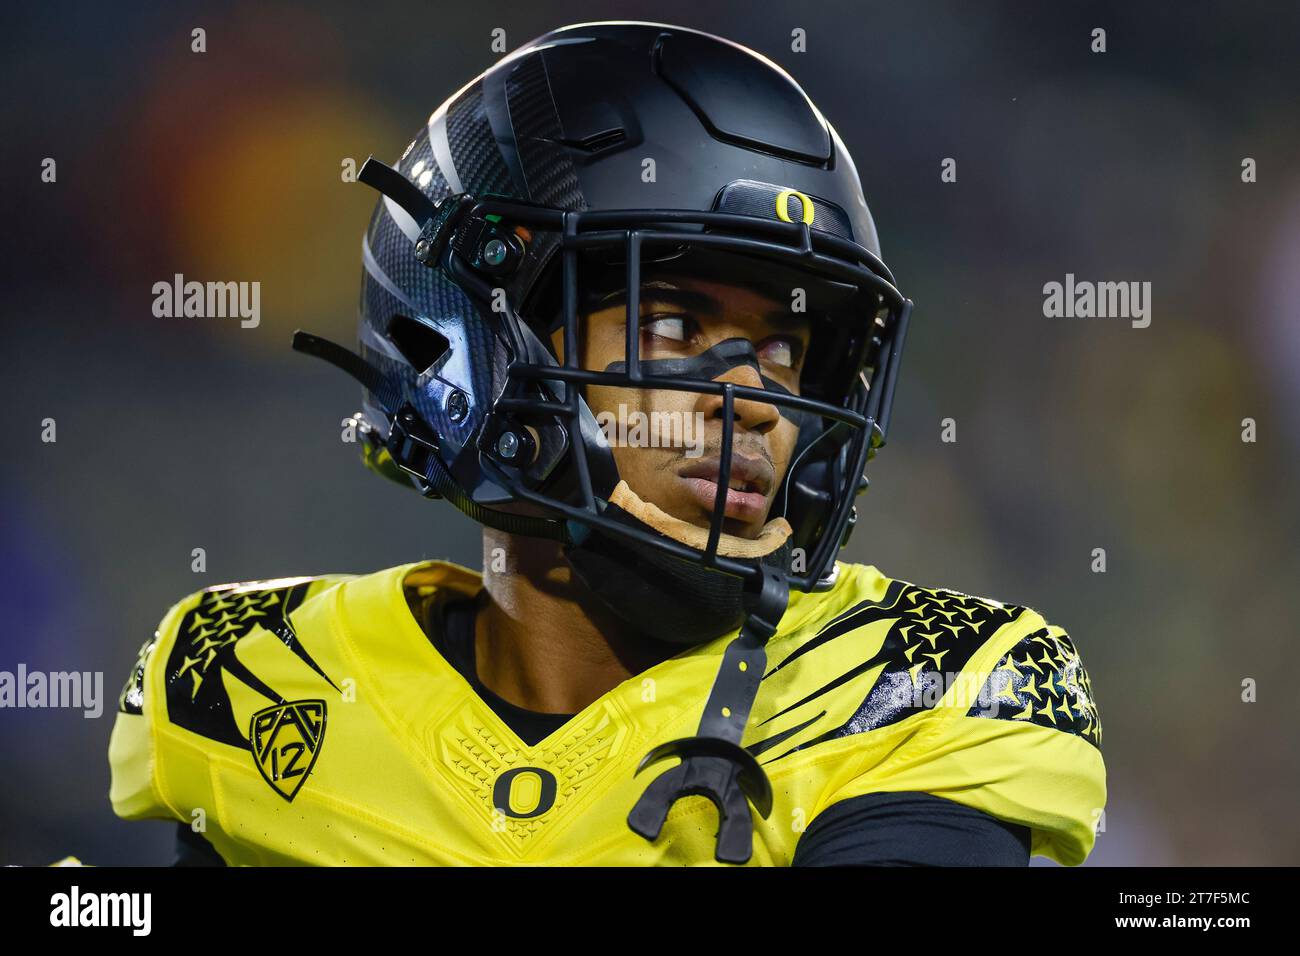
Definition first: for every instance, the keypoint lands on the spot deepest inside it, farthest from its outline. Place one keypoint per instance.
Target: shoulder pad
(202, 644)
(176, 677)
(916, 638)
(1042, 680)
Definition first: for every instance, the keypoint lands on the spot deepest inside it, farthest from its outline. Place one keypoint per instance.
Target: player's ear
(557, 344)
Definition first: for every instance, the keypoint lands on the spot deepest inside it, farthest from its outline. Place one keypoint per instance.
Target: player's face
(673, 460)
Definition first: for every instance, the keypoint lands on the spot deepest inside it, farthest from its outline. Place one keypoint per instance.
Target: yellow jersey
(312, 721)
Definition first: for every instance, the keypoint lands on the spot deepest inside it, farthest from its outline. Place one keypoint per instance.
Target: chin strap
(713, 764)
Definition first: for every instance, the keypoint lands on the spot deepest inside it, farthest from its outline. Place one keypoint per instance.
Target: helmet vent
(420, 344)
(741, 98)
(597, 141)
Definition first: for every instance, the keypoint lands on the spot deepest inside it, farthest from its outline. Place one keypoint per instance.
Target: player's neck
(543, 641)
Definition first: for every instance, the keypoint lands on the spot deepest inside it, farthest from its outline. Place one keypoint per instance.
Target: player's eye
(673, 328)
(785, 352)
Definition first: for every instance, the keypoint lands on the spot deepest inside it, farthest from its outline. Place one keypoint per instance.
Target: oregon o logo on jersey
(535, 791)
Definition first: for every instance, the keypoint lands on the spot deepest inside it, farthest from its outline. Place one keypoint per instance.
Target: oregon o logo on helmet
(805, 204)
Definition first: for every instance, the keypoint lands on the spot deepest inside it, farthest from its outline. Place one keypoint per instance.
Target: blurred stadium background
(1073, 434)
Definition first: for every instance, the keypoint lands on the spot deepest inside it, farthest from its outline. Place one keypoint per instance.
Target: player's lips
(751, 480)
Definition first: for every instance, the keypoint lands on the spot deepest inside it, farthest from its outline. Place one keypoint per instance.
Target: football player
(623, 304)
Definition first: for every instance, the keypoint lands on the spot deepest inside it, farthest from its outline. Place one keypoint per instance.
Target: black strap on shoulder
(713, 764)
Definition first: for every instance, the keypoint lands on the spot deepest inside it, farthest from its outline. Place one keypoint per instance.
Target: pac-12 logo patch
(286, 740)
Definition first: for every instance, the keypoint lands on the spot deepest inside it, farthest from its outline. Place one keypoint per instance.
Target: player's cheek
(786, 434)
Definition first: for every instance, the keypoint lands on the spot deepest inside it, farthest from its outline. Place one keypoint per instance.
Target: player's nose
(756, 416)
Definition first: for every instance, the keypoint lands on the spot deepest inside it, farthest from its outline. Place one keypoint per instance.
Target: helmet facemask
(842, 408)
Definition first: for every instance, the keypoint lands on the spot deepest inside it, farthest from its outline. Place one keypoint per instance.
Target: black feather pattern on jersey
(204, 650)
(934, 632)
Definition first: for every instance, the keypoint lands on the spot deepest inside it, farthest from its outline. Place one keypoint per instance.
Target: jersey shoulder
(1006, 660)
(933, 690)
(176, 682)
(1041, 680)
(877, 650)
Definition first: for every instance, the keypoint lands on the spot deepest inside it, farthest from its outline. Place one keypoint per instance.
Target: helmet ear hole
(420, 344)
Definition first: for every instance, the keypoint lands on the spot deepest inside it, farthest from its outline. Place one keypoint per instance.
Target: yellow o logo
(806, 204)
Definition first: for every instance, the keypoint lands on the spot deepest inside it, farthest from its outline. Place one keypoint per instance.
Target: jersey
(312, 721)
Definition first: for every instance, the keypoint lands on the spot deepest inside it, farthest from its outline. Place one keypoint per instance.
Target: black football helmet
(592, 158)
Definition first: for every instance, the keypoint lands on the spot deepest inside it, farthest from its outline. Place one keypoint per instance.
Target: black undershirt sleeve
(193, 850)
(910, 829)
